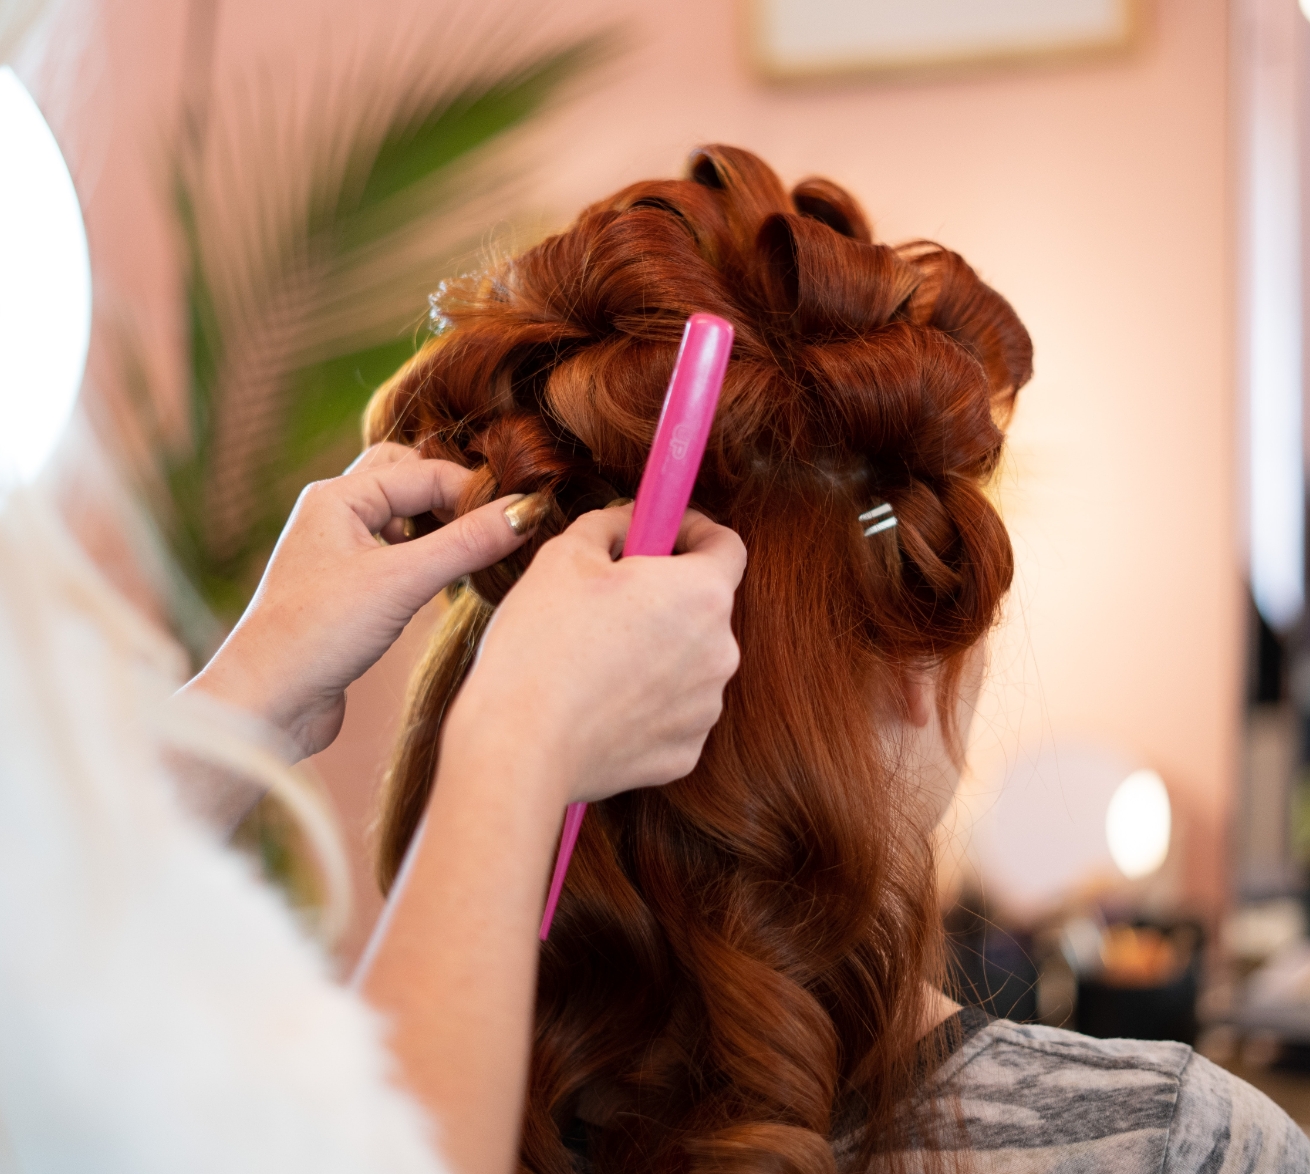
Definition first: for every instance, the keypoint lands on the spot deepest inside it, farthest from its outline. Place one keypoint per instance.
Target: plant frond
(313, 224)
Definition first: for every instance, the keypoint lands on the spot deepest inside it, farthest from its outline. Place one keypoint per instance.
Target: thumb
(472, 542)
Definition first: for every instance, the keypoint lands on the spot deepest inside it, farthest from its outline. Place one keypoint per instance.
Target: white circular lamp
(45, 286)
(1138, 824)
(1072, 816)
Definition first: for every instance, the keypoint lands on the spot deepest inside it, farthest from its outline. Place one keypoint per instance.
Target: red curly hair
(737, 966)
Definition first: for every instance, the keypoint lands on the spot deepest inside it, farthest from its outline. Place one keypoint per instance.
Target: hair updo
(735, 973)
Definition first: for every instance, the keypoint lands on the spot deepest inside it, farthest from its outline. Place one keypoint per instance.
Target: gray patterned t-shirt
(1038, 1100)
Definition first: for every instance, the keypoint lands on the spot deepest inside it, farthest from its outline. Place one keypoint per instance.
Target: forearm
(453, 963)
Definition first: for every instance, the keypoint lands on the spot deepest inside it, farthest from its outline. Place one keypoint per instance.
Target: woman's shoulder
(1123, 1105)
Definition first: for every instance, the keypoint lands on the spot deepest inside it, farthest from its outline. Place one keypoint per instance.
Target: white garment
(160, 1011)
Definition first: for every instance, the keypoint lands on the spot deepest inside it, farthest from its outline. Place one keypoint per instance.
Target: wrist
(234, 677)
(511, 743)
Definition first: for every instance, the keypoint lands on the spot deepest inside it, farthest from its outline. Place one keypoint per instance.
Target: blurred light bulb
(45, 286)
(1138, 822)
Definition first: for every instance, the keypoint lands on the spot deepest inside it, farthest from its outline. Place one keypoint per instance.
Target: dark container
(1150, 1012)
(1164, 1012)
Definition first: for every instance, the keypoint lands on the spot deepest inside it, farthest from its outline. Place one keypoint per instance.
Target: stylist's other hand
(333, 598)
(610, 671)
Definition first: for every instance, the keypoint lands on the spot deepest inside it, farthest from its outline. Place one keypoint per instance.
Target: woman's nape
(737, 967)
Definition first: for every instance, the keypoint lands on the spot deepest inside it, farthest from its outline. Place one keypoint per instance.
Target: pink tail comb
(662, 496)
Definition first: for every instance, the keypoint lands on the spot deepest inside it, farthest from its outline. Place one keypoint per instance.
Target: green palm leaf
(307, 273)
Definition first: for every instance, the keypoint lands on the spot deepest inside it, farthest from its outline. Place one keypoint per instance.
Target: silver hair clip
(877, 512)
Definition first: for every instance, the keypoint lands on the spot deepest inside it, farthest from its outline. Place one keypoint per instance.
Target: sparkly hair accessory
(883, 511)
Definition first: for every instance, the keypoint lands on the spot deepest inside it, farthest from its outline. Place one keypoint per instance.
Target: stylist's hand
(333, 599)
(611, 671)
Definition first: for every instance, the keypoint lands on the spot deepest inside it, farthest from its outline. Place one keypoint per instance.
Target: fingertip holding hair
(526, 514)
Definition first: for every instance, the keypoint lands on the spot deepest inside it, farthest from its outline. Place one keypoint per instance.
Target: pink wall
(1094, 196)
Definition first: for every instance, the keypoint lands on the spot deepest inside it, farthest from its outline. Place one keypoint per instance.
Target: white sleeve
(160, 1011)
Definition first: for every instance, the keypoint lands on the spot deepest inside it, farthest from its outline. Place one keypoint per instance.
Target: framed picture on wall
(817, 38)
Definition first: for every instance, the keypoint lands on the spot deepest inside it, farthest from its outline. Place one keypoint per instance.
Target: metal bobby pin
(877, 512)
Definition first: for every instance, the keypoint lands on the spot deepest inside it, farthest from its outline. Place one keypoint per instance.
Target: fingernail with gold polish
(525, 515)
